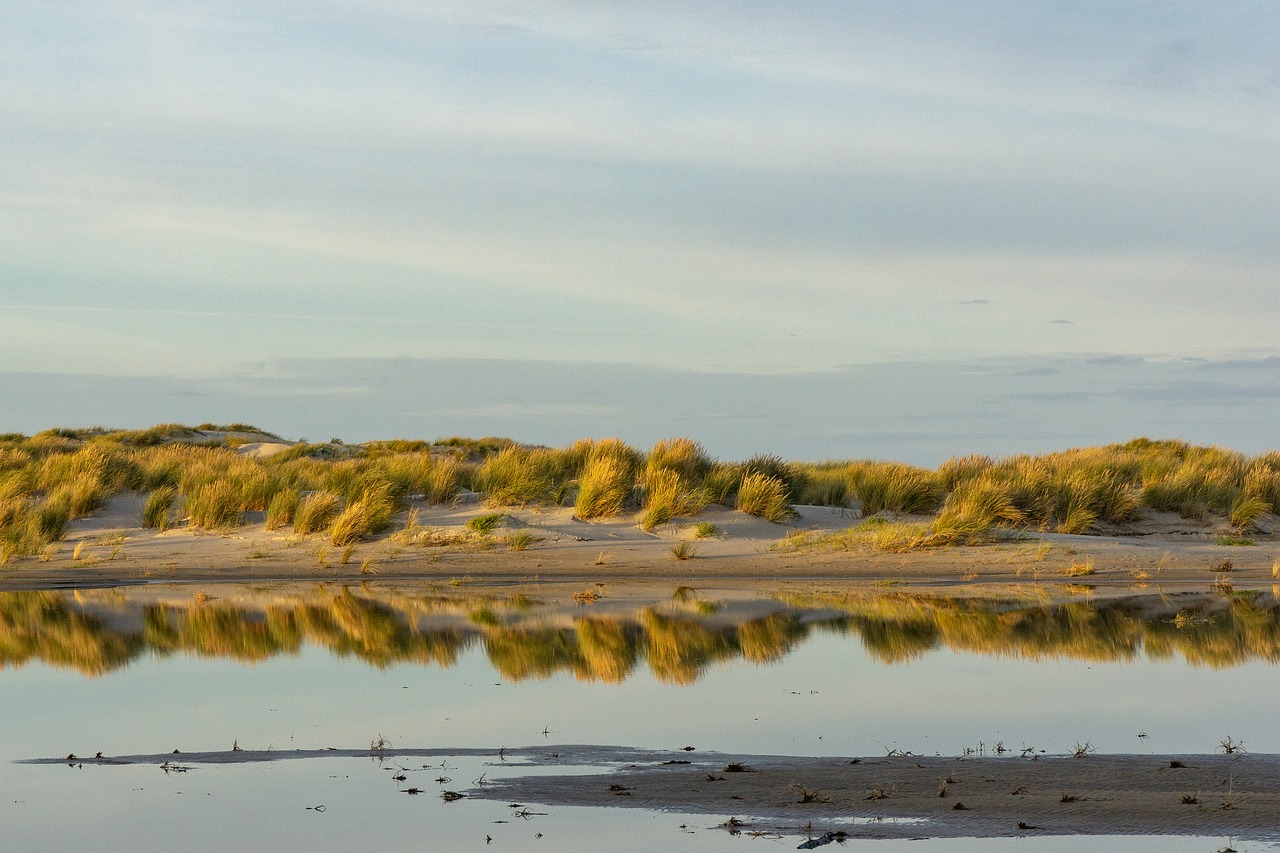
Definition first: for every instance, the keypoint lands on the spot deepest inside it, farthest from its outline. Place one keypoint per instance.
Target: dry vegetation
(196, 477)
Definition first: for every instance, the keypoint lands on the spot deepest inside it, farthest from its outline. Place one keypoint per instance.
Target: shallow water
(127, 672)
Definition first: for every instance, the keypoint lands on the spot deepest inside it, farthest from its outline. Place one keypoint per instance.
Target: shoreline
(895, 796)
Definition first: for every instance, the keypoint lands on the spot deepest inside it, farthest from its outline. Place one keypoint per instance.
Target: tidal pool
(158, 668)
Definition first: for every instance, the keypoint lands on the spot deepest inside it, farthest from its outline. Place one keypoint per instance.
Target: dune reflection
(98, 633)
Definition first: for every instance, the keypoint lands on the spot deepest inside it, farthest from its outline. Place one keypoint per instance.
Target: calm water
(147, 671)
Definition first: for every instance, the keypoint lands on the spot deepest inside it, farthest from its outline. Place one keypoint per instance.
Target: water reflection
(96, 632)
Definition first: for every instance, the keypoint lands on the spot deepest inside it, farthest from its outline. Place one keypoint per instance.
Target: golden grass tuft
(157, 510)
(604, 487)
(315, 512)
(668, 495)
(764, 496)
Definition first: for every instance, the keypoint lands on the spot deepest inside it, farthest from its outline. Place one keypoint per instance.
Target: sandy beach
(1162, 549)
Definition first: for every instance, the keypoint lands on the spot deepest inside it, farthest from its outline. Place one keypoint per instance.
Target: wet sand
(899, 796)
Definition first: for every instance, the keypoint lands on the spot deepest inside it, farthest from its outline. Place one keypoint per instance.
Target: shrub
(764, 496)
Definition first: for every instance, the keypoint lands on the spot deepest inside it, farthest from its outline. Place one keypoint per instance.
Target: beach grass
(965, 500)
(765, 496)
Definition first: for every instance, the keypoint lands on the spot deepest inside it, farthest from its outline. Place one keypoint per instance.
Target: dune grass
(367, 515)
(73, 472)
(669, 495)
(283, 507)
(316, 512)
(765, 496)
(604, 487)
(157, 510)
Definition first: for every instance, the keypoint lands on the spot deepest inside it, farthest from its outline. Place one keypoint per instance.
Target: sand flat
(899, 796)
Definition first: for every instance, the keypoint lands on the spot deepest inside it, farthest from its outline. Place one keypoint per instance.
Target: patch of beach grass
(684, 550)
(884, 487)
(214, 505)
(283, 507)
(764, 496)
(686, 457)
(157, 510)
(316, 512)
(604, 487)
(705, 530)
(668, 495)
(366, 516)
(487, 523)
(520, 540)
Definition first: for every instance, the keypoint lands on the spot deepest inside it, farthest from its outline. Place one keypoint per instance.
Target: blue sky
(212, 193)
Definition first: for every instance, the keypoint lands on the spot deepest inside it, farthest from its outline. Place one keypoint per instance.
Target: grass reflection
(95, 634)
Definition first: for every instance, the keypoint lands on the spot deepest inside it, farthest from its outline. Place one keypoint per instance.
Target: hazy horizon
(919, 412)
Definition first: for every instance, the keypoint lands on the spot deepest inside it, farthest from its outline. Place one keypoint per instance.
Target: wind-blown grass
(214, 505)
(603, 487)
(897, 488)
(668, 495)
(315, 513)
(157, 510)
(764, 496)
(1083, 490)
(283, 507)
(686, 457)
(367, 515)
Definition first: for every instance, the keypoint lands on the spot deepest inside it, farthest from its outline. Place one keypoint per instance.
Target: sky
(772, 214)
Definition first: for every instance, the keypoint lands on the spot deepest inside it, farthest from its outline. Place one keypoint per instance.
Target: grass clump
(520, 540)
(368, 515)
(668, 495)
(486, 524)
(972, 510)
(684, 550)
(764, 496)
(517, 476)
(705, 530)
(686, 457)
(315, 512)
(897, 488)
(604, 487)
(214, 505)
(283, 507)
(157, 510)
(28, 527)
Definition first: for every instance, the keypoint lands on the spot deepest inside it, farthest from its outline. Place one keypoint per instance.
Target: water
(148, 671)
